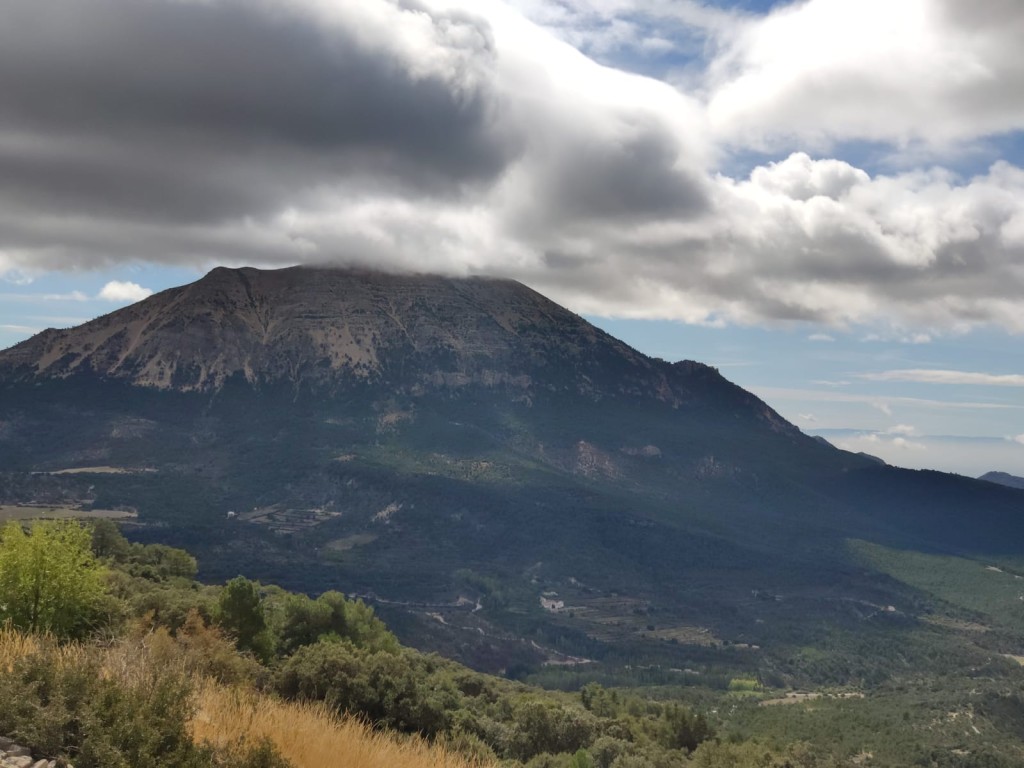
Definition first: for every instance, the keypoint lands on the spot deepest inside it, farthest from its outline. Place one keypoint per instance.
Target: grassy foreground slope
(148, 713)
(113, 656)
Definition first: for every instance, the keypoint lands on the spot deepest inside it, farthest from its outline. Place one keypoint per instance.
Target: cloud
(71, 296)
(900, 338)
(14, 276)
(1018, 439)
(444, 135)
(882, 406)
(121, 292)
(931, 72)
(909, 445)
(19, 328)
(274, 132)
(874, 441)
(313, 92)
(901, 429)
(928, 376)
(808, 417)
(820, 337)
(773, 394)
(971, 455)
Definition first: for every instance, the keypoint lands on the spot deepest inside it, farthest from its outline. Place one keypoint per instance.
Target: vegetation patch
(101, 471)
(310, 735)
(968, 584)
(281, 519)
(686, 636)
(350, 542)
(49, 512)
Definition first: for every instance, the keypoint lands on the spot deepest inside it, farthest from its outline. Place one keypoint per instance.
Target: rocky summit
(323, 329)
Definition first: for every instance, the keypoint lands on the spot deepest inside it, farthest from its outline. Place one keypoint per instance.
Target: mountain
(325, 331)
(500, 477)
(1003, 478)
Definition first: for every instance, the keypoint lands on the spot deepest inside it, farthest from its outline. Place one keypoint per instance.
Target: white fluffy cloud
(121, 292)
(939, 72)
(901, 429)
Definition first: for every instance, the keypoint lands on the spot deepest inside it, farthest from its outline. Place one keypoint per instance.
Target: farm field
(104, 470)
(45, 512)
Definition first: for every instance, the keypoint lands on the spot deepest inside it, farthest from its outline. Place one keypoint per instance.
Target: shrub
(397, 691)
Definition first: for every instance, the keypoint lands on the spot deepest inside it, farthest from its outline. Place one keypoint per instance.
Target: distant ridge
(1004, 478)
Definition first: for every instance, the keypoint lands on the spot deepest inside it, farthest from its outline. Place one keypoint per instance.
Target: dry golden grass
(131, 663)
(15, 645)
(310, 735)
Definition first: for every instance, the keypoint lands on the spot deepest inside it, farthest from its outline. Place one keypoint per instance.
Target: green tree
(682, 729)
(361, 626)
(50, 581)
(240, 611)
(306, 620)
(581, 759)
(108, 542)
(168, 562)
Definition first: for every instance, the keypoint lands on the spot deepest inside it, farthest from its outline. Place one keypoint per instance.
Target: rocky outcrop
(14, 756)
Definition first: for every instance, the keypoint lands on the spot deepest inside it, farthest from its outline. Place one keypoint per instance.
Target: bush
(399, 691)
(543, 726)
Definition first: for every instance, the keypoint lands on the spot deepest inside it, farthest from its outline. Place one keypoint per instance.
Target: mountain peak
(325, 329)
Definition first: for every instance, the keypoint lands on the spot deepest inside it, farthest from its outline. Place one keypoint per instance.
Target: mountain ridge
(1004, 478)
(478, 441)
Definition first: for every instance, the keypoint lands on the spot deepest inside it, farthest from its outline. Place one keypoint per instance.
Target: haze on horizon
(823, 198)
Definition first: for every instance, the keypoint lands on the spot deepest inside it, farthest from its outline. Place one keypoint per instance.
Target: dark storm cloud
(202, 111)
(636, 176)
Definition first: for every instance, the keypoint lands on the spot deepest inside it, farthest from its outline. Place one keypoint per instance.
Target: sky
(824, 199)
